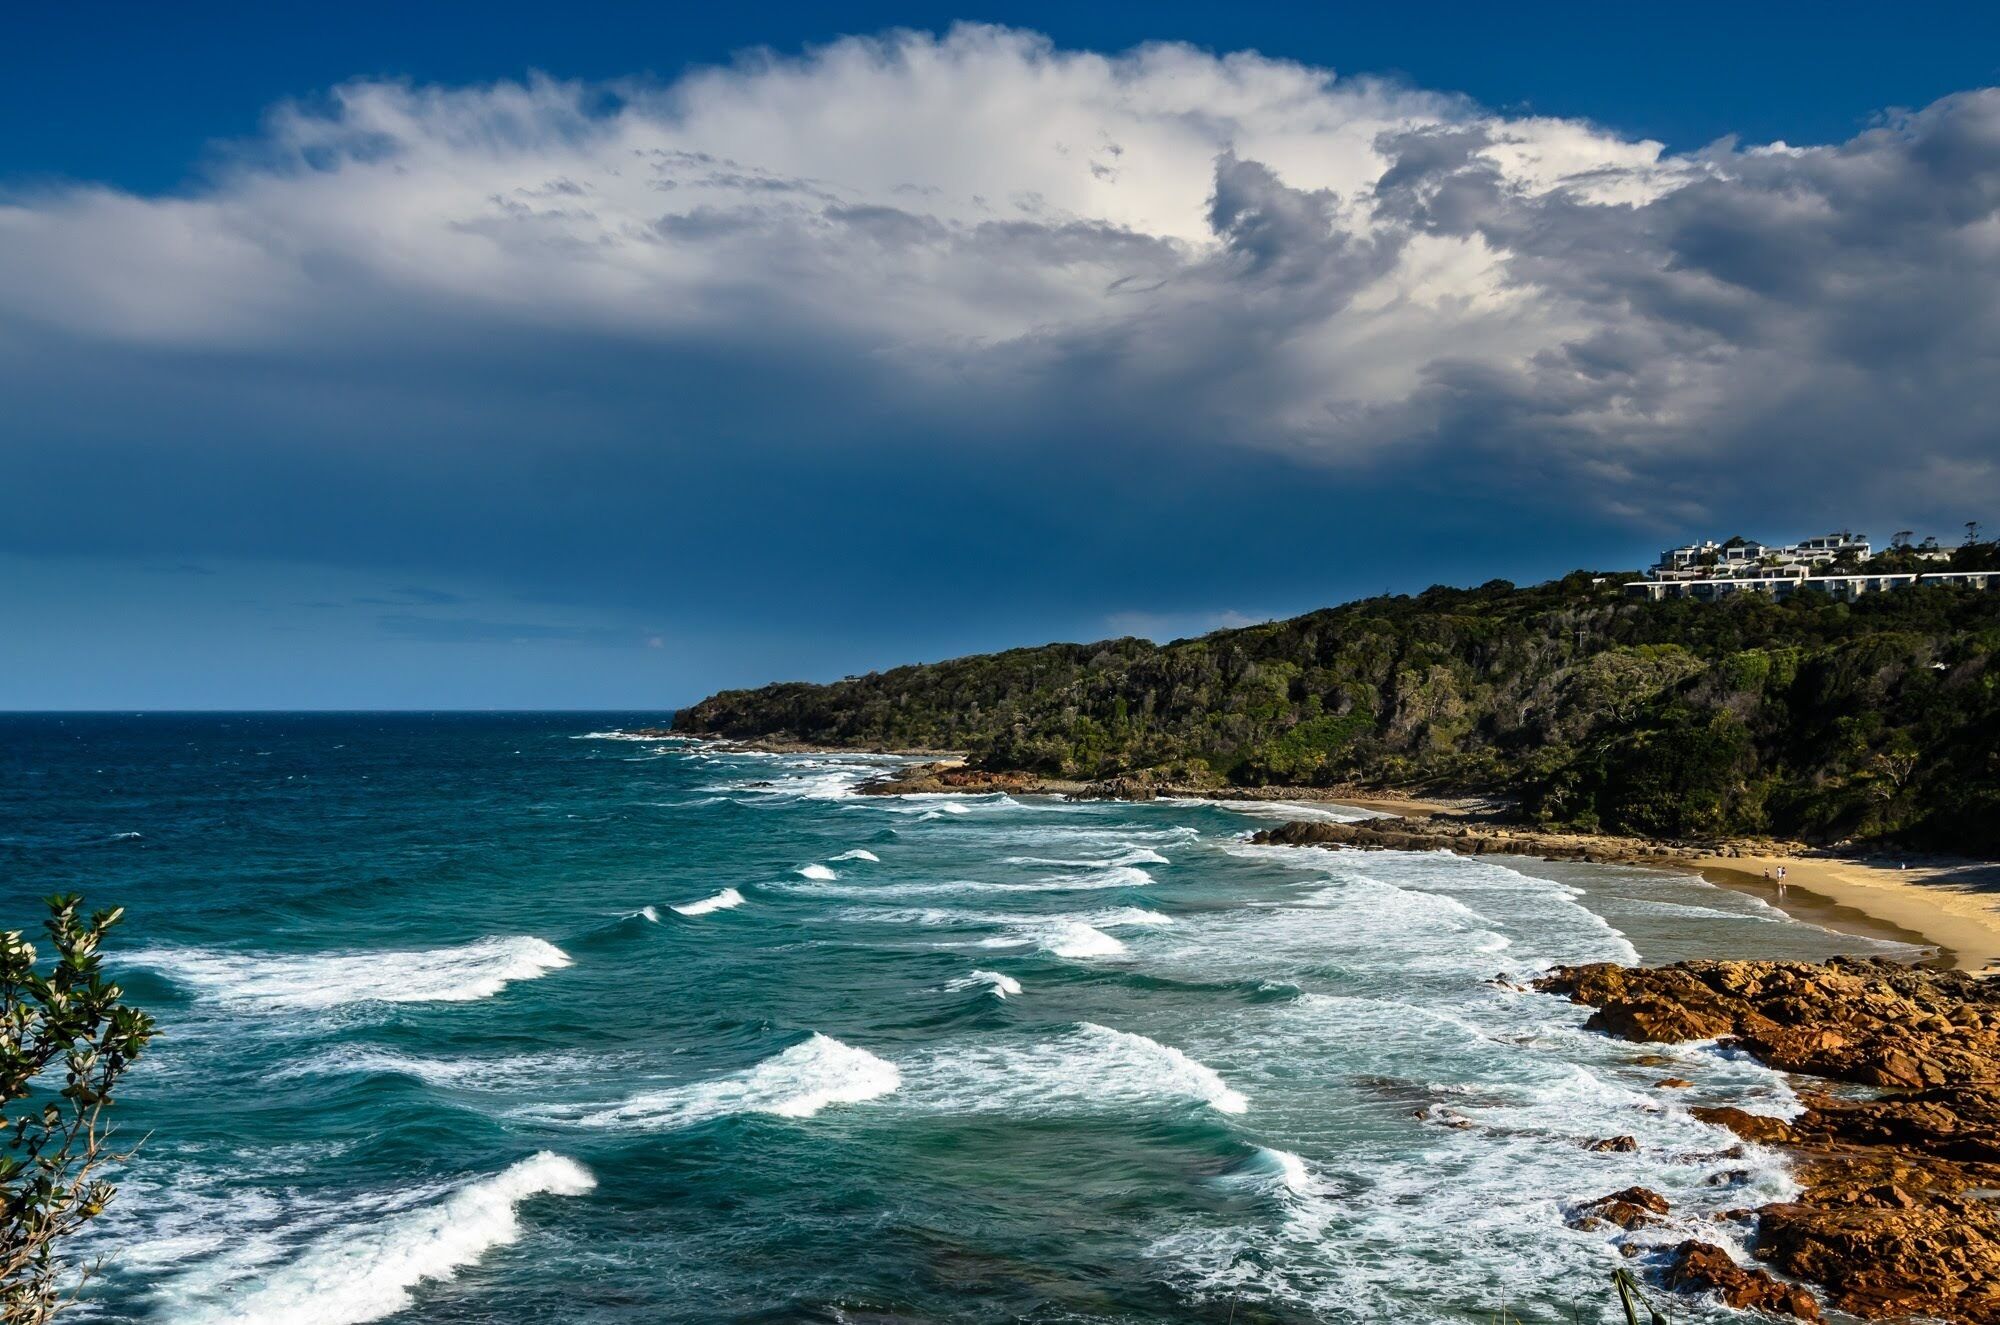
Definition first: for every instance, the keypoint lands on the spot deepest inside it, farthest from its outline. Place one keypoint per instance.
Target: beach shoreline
(1950, 905)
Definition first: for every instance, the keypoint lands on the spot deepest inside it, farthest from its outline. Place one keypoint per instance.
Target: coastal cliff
(1807, 719)
(1896, 1215)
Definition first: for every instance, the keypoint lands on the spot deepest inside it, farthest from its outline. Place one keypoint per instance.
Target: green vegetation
(66, 1038)
(1807, 718)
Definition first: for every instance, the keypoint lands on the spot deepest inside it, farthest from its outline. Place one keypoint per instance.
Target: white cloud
(1228, 250)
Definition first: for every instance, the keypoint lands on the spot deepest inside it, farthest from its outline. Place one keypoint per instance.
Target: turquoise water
(506, 1019)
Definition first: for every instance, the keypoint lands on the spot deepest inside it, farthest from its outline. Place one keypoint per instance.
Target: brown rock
(1896, 1216)
(1703, 1267)
(1672, 1083)
(1891, 1253)
(1628, 1208)
(1749, 1126)
(1618, 1143)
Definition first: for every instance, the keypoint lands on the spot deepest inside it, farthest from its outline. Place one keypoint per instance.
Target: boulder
(1749, 1126)
(1628, 1208)
(1703, 1267)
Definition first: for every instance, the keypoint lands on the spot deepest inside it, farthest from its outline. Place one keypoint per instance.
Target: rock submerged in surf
(1703, 1267)
(1895, 1217)
(1628, 1208)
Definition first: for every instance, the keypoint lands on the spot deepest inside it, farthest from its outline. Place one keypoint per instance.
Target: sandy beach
(1954, 905)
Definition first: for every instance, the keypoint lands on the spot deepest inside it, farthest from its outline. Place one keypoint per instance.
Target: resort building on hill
(1744, 555)
(1709, 570)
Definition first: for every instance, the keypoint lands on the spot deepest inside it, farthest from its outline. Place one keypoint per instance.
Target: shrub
(69, 1027)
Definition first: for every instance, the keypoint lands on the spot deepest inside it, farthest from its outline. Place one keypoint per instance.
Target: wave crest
(357, 1274)
(721, 901)
(1167, 1066)
(797, 1083)
(997, 984)
(281, 981)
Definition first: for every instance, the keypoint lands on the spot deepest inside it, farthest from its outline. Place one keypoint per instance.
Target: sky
(512, 356)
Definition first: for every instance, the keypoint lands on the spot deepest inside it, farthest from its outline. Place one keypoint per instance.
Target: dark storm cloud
(830, 375)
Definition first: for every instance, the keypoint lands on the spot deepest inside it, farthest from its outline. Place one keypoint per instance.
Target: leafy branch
(68, 1026)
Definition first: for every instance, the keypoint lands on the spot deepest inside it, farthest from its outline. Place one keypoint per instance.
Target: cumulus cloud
(408, 310)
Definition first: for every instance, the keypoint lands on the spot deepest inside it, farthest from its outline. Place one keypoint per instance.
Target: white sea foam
(1061, 883)
(819, 872)
(497, 1073)
(363, 1273)
(1279, 1168)
(860, 853)
(996, 983)
(432, 975)
(1133, 917)
(1168, 1066)
(651, 913)
(1286, 810)
(1135, 855)
(797, 1083)
(1089, 1068)
(1109, 876)
(721, 901)
(799, 778)
(1065, 938)
(1074, 937)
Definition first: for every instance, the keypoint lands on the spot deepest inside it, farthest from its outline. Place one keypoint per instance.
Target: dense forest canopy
(1807, 717)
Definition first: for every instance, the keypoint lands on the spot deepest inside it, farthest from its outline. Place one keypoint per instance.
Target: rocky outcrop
(1758, 1127)
(1472, 837)
(1896, 1216)
(956, 776)
(1702, 1267)
(1871, 1022)
(1628, 1209)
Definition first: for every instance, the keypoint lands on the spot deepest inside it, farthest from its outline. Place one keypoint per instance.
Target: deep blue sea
(510, 1019)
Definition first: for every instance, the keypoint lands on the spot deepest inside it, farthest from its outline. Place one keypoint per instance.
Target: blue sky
(496, 356)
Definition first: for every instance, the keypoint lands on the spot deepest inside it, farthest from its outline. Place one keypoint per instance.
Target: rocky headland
(1481, 834)
(1899, 1212)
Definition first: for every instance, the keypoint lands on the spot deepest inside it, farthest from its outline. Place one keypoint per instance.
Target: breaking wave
(1089, 1068)
(1169, 1066)
(797, 1083)
(721, 901)
(996, 984)
(1065, 938)
(432, 975)
(363, 1273)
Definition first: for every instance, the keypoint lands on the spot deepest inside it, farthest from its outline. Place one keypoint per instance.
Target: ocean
(516, 1018)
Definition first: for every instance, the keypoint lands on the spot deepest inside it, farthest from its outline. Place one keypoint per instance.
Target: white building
(1845, 588)
(1709, 570)
(1739, 557)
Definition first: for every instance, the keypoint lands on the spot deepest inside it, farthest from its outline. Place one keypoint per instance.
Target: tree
(1896, 765)
(66, 1039)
